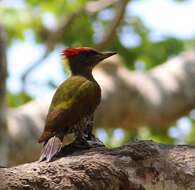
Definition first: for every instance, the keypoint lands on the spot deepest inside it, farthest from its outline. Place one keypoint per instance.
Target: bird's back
(75, 98)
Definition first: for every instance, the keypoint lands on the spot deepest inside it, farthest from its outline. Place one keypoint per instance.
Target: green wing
(74, 99)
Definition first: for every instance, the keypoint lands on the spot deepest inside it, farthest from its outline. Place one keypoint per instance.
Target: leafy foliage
(15, 100)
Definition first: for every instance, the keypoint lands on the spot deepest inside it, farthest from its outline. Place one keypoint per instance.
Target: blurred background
(148, 89)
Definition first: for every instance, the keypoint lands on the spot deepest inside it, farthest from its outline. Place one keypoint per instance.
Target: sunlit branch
(110, 34)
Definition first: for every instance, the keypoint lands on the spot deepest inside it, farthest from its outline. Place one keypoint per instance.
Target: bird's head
(84, 58)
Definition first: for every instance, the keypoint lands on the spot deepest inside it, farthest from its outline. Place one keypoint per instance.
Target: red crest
(70, 52)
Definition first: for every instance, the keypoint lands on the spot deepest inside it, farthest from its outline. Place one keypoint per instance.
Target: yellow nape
(65, 60)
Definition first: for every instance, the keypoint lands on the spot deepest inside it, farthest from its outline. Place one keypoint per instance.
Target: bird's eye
(91, 53)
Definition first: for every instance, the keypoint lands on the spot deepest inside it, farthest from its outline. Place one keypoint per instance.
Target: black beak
(105, 55)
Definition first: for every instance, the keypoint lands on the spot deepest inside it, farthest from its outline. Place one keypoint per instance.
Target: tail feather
(51, 148)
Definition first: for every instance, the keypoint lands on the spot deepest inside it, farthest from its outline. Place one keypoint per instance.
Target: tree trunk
(136, 166)
(3, 75)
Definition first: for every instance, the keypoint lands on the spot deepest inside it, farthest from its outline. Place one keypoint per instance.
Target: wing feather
(74, 99)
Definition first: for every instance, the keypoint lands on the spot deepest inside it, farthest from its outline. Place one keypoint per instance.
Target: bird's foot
(95, 142)
(87, 142)
(81, 143)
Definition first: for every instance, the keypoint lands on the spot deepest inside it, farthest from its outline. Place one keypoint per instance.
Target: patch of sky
(18, 4)
(98, 32)
(21, 55)
(182, 129)
(101, 134)
(166, 17)
(129, 38)
(107, 14)
(49, 20)
(104, 15)
(119, 134)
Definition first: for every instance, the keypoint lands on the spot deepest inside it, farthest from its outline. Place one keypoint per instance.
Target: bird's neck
(87, 73)
(80, 68)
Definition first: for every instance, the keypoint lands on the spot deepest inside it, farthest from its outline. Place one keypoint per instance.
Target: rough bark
(3, 75)
(136, 166)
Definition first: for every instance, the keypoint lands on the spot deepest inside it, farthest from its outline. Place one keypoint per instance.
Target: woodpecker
(74, 102)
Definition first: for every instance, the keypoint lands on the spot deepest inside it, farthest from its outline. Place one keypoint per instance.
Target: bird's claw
(88, 143)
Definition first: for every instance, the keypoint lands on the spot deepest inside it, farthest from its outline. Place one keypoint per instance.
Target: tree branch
(136, 166)
(3, 106)
(152, 98)
(3, 76)
(114, 25)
